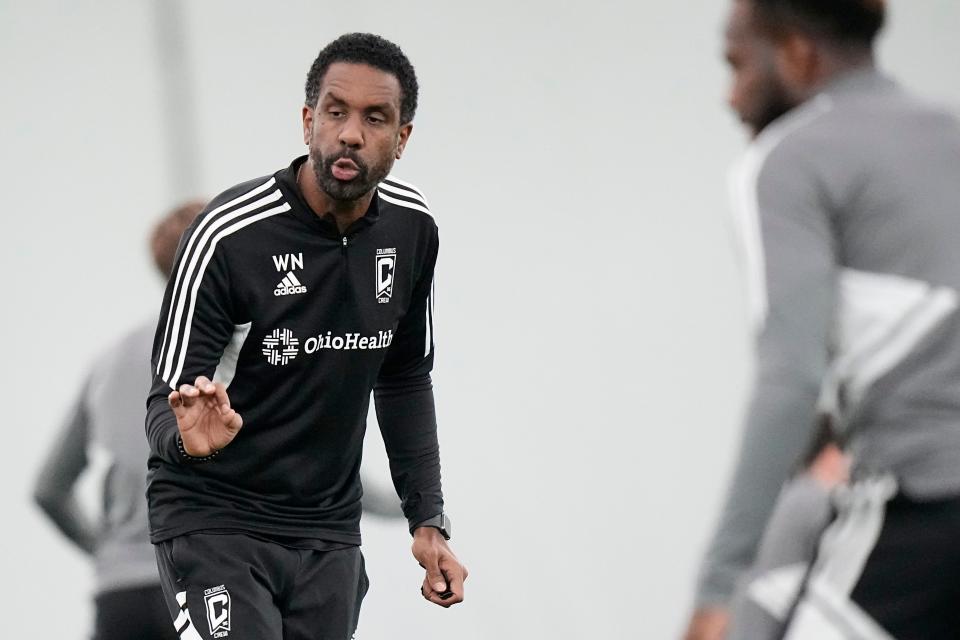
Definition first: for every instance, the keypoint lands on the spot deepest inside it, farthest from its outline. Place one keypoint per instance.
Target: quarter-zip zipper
(345, 278)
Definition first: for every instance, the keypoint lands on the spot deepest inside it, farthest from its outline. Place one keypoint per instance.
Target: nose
(351, 134)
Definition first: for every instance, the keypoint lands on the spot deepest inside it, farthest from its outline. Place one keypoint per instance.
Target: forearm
(69, 518)
(161, 429)
(778, 430)
(407, 416)
(53, 490)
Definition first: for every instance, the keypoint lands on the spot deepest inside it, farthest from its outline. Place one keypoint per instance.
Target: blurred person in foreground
(848, 203)
(294, 296)
(105, 421)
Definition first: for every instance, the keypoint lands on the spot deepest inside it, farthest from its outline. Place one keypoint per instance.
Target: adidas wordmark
(289, 286)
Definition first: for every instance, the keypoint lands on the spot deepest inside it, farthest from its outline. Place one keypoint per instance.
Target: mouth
(345, 169)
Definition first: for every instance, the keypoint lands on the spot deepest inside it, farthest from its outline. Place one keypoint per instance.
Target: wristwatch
(440, 522)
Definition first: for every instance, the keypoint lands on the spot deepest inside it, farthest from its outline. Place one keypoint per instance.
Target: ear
(307, 115)
(798, 61)
(402, 138)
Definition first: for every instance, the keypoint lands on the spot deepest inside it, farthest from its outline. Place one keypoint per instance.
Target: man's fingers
(455, 580)
(455, 574)
(205, 386)
(175, 401)
(437, 598)
(434, 578)
(223, 400)
(445, 600)
(233, 420)
(188, 395)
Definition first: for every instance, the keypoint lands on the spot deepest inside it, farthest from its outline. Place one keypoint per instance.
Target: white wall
(593, 354)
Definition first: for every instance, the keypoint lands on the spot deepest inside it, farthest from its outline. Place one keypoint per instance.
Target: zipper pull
(344, 240)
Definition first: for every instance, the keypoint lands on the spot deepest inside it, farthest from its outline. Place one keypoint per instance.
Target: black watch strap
(440, 522)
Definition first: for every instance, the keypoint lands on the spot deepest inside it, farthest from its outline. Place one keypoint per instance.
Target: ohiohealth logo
(280, 347)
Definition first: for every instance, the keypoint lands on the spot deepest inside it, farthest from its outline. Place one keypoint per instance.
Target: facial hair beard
(367, 179)
(775, 103)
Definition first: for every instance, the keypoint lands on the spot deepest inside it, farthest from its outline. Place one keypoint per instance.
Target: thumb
(434, 577)
(232, 420)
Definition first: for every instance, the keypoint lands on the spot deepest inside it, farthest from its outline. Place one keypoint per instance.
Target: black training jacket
(300, 322)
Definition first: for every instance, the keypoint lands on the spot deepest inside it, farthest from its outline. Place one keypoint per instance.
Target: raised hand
(206, 421)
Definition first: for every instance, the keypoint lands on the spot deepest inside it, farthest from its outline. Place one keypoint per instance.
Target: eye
(375, 119)
(335, 112)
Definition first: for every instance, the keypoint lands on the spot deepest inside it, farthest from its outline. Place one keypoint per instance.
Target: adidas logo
(289, 286)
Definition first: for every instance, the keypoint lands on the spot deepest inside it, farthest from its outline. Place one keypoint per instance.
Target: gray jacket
(103, 436)
(849, 213)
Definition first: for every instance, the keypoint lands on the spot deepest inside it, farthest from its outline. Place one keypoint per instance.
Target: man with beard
(848, 201)
(293, 297)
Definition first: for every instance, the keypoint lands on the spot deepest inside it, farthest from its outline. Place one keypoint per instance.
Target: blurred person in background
(294, 296)
(864, 335)
(848, 203)
(106, 423)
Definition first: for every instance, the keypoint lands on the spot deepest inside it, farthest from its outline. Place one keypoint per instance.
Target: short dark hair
(843, 21)
(370, 49)
(167, 231)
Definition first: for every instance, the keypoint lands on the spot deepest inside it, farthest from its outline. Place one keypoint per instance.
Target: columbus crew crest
(217, 601)
(386, 266)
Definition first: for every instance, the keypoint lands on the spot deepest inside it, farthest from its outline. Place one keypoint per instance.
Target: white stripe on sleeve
(181, 299)
(178, 281)
(203, 266)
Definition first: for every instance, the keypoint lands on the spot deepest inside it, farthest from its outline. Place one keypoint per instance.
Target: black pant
(133, 614)
(911, 582)
(234, 586)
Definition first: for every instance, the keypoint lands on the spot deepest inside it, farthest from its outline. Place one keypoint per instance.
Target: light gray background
(592, 344)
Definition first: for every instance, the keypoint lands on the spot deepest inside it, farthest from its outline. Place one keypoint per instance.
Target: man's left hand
(708, 623)
(443, 584)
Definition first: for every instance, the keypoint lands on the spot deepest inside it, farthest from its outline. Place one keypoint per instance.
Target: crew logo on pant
(386, 265)
(217, 600)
